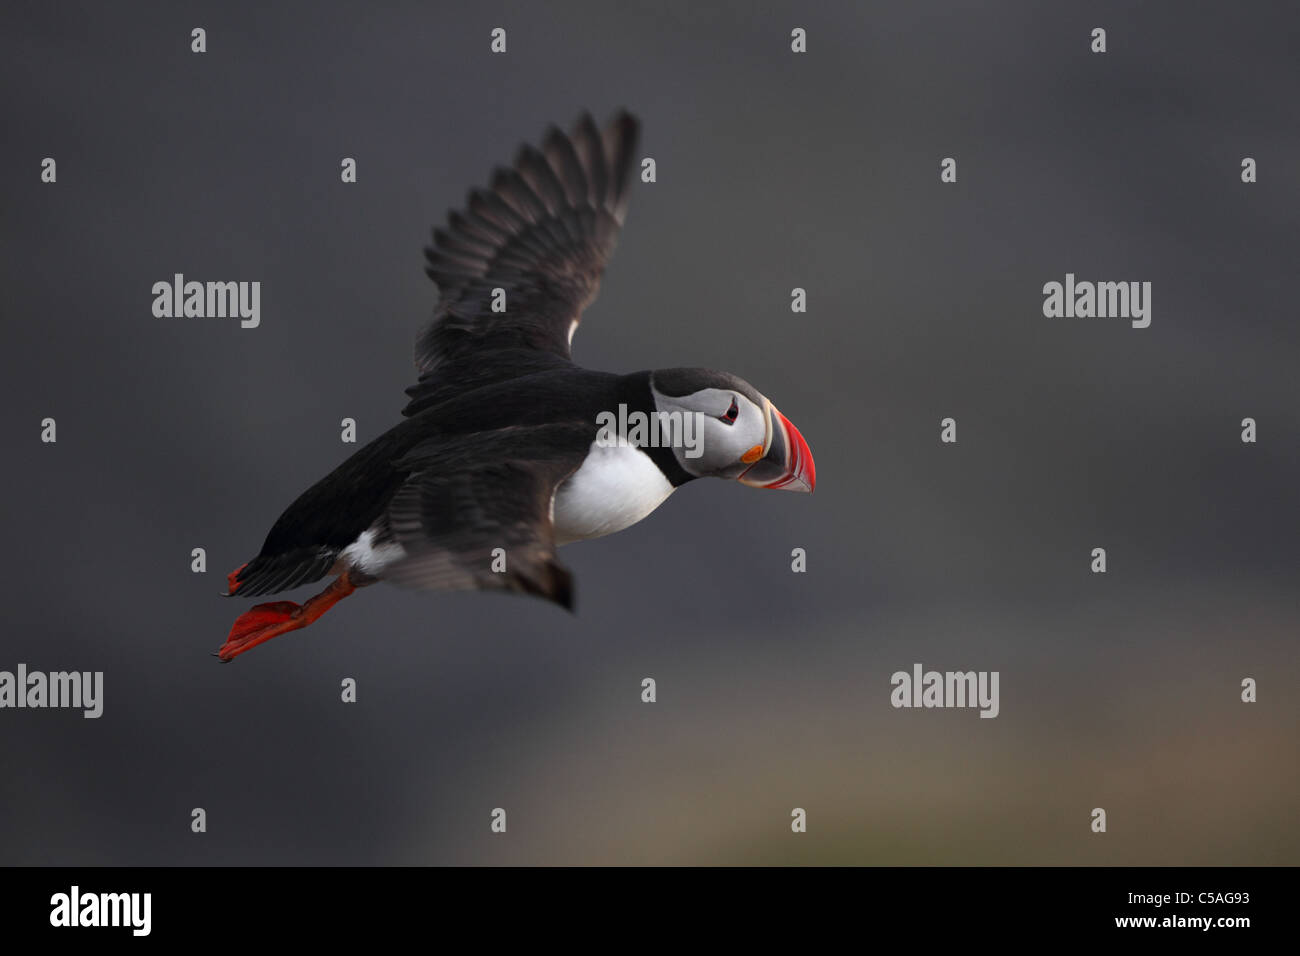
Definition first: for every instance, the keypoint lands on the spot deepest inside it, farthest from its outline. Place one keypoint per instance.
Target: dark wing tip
(560, 587)
(620, 141)
(627, 124)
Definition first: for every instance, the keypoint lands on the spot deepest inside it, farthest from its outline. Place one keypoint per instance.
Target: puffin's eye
(732, 412)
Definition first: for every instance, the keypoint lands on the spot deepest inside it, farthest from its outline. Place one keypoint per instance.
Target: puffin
(508, 449)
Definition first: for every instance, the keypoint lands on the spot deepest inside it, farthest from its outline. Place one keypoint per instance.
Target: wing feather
(469, 496)
(542, 233)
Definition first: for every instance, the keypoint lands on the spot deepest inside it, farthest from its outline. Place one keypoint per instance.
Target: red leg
(266, 621)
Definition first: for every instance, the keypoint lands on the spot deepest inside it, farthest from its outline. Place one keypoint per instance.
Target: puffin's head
(740, 433)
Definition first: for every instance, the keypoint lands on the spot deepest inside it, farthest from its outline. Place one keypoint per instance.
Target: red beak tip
(803, 470)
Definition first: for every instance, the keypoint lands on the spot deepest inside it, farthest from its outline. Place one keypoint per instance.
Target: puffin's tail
(269, 573)
(232, 580)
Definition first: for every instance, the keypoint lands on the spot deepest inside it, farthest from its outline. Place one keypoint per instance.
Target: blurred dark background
(775, 170)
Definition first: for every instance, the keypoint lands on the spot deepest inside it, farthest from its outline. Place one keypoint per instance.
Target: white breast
(615, 488)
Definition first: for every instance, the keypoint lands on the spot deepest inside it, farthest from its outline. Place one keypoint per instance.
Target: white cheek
(715, 444)
(723, 448)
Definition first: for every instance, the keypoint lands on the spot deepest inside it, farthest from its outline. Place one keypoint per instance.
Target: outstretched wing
(470, 496)
(516, 267)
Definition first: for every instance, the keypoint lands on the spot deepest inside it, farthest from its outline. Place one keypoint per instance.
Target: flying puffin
(502, 456)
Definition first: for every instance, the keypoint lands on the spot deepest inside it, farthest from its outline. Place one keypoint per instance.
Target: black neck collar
(635, 392)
